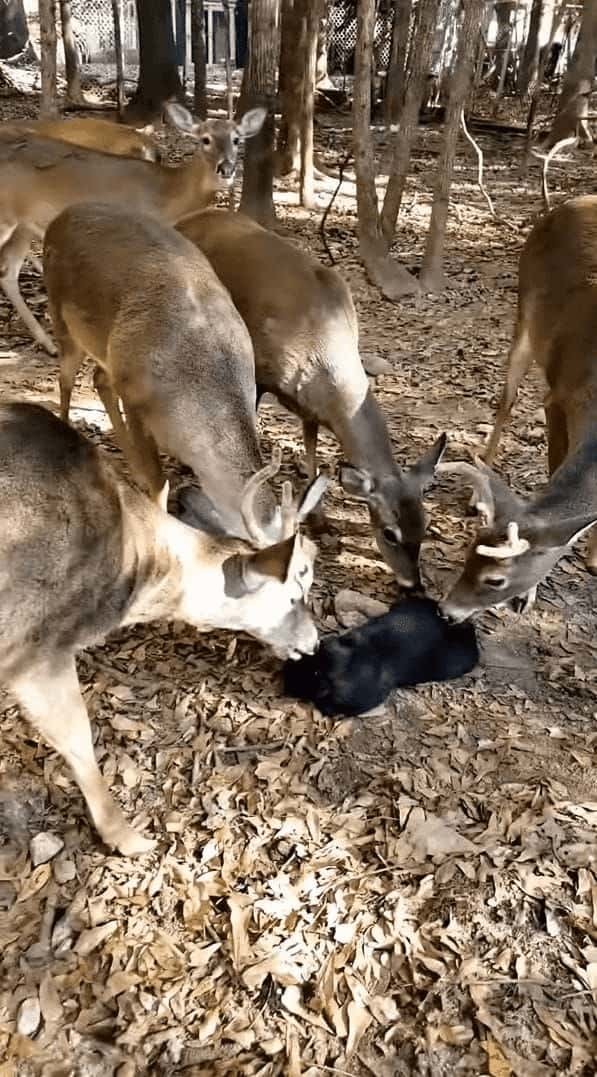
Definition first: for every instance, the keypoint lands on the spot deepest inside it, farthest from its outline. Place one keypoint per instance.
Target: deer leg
(71, 358)
(14, 246)
(51, 696)
(519, 360)
(557, 436)
(148, 455)
(310, 429)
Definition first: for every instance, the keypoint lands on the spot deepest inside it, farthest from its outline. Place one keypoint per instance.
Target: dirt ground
(413, 892)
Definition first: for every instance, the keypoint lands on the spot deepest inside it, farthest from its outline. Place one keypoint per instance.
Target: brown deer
(146, 305)
(84, 555)
(94, 133)
(39, 177)
(557, 326)
(304, 329)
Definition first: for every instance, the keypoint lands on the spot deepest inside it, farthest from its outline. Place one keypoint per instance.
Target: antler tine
(255, 532)
(479, 481)
(514, 546)
(288, 510)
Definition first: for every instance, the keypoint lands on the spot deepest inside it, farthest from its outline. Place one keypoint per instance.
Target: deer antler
(513, 547)
(247, 505)
(480, 483)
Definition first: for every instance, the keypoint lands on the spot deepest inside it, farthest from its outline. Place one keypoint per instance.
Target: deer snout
(226, 169)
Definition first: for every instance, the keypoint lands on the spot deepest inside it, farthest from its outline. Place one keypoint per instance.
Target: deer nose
(226, 169)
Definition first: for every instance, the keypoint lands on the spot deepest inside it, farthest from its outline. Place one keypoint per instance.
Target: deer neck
(178, 571)
(364, 438)
(572, 489)
(186, 188)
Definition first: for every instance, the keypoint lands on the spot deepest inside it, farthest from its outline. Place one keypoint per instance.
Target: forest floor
(413, 892)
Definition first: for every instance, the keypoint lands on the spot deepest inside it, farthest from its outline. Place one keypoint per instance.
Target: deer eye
(235, 140)
(498, 582)
(206, 140)
(391, 537)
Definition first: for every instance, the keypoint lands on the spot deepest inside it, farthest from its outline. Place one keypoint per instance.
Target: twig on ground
(341, 166)
(480, 184)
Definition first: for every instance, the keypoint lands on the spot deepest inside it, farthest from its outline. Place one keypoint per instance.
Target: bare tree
(159, 79)
(259, 89)
(71, 55)
(290, 86)
(198, 54)
(432, 273)
(396, 77)
(307, 188)
(529, 68)
(47, 35)
(392, 278)
(119, 57)
(573, 108)
(418, 67)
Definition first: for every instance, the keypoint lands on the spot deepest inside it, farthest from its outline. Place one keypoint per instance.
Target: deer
(167, 342)
(39, 177)
(303, 324)
(521, 540)
(84, 555)
(88, 131)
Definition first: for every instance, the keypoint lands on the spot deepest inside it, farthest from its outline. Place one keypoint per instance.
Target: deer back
(93, 133)
(146, 304)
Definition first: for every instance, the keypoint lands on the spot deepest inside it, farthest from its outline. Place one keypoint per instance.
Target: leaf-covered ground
(409, 893)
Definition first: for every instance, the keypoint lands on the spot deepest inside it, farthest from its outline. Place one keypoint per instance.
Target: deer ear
(356, 480)
(179, 117)
(562, 532)
(424, 469)
(311, 498)
(246, 573)
(251, 123)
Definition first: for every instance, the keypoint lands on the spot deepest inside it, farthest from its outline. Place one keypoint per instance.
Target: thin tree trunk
(573, 108)
(47, 34)
(391, 278)
(71, 55)
(396, 79)
(307, 182)
(229, 89)
(198, 55)
(290, 87)
(420, 52)
(264, 48)
(119, 57)
(529, 68)
(432, 273)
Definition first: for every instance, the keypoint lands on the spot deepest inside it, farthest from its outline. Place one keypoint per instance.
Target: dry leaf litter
(410, 893)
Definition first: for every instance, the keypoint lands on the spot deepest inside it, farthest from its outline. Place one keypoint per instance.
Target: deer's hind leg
(15, 243)
(51, 696)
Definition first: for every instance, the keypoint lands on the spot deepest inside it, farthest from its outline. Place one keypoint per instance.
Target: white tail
(83, 555)
(146, 305)
(303, 325)
(39, 177)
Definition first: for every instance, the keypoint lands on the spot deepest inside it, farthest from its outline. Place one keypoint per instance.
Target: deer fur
(94, 133)
(84, 555)
(39, 177)
(557, 327)
(304, 329)
(146, 305)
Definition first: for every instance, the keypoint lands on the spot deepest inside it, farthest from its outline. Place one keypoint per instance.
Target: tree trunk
(396, 78)
(321, 69)
(47, 36)
(159, 80)
(420, 54)
(391, 278)
(198, 56)
(529, 68)
(432, 273)
(290, 87)
(13, 28)
(307, 180)
(260, 90)
(119, 58)
(573, 107)
(71, 55)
